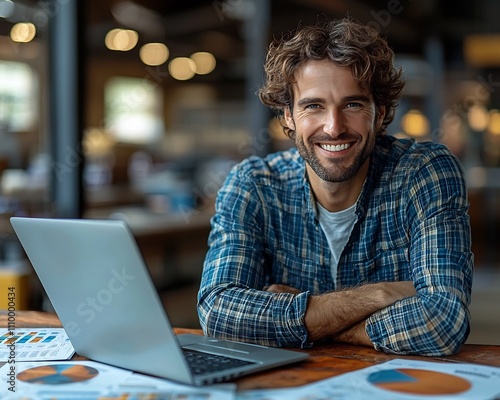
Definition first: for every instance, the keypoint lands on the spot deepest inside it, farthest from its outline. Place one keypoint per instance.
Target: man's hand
(355, 334)
(278, 288)
(395, 291)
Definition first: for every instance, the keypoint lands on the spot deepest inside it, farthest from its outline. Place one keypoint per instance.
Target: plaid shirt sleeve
(436, 320)
(231, 302)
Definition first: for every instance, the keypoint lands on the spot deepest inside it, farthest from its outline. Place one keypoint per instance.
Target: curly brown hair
(347, 43)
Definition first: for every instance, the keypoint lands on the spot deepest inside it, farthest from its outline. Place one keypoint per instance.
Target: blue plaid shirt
(412, 225)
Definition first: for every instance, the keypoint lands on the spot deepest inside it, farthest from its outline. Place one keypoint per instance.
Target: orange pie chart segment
(57, 374)
(418, 381)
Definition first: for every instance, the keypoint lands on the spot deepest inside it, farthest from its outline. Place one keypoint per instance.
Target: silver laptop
(100, 288)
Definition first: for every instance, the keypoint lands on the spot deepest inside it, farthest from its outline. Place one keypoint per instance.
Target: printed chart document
(35, 344)
(90, 380)
(397, 379)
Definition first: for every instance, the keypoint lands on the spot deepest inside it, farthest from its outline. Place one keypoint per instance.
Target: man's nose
(334, 122)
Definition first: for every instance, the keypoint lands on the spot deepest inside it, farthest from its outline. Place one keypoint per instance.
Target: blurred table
(173, 245)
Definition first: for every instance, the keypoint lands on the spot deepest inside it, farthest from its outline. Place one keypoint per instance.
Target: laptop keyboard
(201, 363)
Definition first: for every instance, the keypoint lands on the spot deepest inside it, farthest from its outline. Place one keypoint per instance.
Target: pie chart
(418, 381)
(57, 374)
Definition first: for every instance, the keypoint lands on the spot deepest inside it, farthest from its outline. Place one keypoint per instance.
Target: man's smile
(335, 148)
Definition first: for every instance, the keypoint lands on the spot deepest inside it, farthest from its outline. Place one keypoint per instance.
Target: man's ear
(289, 119)
(380, 116)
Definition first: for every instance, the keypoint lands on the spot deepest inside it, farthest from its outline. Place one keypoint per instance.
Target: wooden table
(326, 360)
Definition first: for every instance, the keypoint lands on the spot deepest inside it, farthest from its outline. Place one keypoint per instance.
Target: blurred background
(138, 109)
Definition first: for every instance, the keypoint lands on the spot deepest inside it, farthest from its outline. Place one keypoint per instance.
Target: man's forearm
(342, 313)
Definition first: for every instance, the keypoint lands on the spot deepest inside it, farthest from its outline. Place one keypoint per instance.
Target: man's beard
(334, 172)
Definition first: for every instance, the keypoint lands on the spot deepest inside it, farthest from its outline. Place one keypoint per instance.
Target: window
(18, 98)
(133, 110)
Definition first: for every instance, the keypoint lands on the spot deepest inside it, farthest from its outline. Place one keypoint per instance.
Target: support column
(256, 36)
(65, 102)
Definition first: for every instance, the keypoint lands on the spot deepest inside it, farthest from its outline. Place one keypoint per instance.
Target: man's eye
(353, 105)
(313, 106)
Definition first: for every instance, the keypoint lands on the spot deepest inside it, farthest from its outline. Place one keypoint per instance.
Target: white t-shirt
(337, 227)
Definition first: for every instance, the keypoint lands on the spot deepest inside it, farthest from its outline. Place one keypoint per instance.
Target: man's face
(335, 120)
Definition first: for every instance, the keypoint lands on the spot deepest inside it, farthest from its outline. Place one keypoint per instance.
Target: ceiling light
(415, 123)
(478, 118)
(23, 32)
(182, 68)
(154, 54)
(205, 62)
(494, 122)
(121, 39)
(482, 50)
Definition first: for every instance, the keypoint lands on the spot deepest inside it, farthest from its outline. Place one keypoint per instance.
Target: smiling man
(353, 235)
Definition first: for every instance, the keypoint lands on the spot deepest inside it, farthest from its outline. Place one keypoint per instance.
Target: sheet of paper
(89, 380)
(35, 344)
(140, 387)
(397, 379)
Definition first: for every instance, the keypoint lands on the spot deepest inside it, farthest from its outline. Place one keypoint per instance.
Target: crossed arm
(341, 315)
(425, 316)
